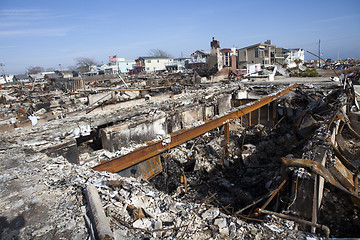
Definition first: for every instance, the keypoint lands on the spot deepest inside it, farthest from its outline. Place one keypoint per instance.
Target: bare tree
(34, 70)
(84, 63)
(158, 53)
(50, 69)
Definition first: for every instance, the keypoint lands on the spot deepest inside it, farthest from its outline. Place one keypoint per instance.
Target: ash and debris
(42, 197)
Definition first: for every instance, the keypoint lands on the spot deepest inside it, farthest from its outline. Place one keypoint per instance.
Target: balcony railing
(138, 65)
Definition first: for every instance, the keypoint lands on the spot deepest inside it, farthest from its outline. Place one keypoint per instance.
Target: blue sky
(49, 33)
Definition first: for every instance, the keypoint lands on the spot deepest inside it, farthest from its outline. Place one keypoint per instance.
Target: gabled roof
(22, 76)
(155, 57)
(52, 75)
(257, 45)
(201, 51)
(225, 50)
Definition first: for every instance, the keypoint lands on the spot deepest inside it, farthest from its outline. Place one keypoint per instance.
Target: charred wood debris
(295, 178)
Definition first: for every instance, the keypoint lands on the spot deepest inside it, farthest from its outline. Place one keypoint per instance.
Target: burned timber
(181, 157)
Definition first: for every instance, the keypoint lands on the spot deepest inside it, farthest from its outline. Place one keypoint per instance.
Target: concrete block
(26, 123)
(174, 122)
(209, 112)
(132, 94)
(66, 149)
(6, 127)
(96, 97)
(133, 132)
(241, 94)
(192, 116)
(224, 104)
(50, 116)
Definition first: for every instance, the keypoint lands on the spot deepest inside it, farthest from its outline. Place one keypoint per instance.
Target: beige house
(262, 53)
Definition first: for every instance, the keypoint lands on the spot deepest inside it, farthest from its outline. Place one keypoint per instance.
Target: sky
(48, 33)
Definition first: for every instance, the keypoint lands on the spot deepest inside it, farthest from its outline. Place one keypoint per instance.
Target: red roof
(225, 50)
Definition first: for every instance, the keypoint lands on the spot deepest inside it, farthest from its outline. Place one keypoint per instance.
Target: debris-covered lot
(287, 168)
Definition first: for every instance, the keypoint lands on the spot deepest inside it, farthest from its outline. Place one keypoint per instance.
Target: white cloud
(337, 19)
(56, 32)
(22, 12)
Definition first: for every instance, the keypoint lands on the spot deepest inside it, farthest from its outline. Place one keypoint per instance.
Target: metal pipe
(322, 227)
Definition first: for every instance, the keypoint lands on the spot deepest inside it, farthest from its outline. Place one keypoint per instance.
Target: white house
(293, 55)
(119, 65)
(6, 78)
(177, 64)
(200, 56)
(152, 64)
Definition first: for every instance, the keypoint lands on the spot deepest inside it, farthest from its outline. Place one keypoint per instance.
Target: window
(148, 61)
(157, 60)
(147, 68)
(256, 52)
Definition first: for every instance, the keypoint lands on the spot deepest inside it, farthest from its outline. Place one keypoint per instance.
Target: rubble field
(288, 170)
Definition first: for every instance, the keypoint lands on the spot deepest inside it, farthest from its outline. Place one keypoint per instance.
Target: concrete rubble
(209, 187)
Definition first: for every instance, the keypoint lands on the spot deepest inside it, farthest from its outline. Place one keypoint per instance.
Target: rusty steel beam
(184, 135)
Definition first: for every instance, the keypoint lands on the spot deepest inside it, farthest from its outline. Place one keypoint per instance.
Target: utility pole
(2, 66)
(319, 53)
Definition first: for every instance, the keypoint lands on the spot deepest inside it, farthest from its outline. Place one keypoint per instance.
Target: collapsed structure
(173, 157)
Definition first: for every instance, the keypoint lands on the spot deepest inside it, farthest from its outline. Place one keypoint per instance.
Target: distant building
(65, 73)
(228, 58)
(220, 58)
(151, 64)
(6, 78)
(178, 64)
(214, 58)
(268, 54)
(198, 60)
(200, 56)
(22, 78)
(295, 55)
(37, 76)
(120, 65)
(259, 53)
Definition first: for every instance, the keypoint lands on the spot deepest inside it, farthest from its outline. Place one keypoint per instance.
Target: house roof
(201, 51)
(181, 58)
(155, 57)
(225, 50)
(52, 75)
(22, 76)
(258, 44)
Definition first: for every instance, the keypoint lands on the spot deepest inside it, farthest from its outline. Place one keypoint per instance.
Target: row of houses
(262, 53)
(38, 76)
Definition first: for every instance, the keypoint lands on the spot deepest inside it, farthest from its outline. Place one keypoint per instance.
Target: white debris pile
(136, 210)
